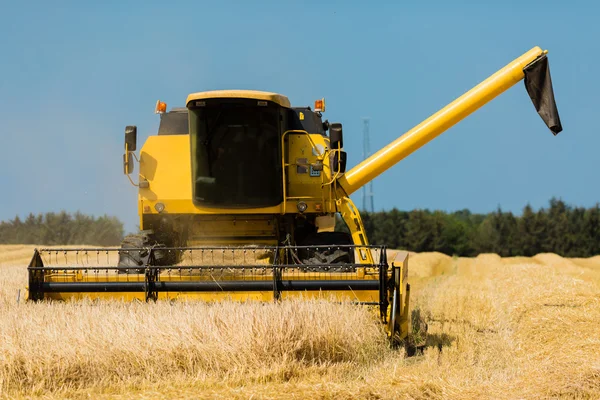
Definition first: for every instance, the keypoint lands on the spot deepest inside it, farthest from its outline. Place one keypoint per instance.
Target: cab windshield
(236, 157)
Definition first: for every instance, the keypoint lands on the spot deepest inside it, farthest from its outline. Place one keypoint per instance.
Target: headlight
(159, 207)
(302, 206)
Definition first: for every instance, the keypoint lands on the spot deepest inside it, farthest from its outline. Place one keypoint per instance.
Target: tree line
(559, 228)
(62, 228)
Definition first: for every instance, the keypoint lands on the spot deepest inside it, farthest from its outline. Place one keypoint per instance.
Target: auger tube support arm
(533, 66)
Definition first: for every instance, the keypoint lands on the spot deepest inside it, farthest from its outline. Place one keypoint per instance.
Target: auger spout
(533, 66)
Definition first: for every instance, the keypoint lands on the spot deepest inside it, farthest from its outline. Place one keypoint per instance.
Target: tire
(135, 249)
(325, 250)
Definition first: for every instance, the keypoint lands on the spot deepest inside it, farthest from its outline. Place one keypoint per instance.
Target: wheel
(136, 248)
(324, 249)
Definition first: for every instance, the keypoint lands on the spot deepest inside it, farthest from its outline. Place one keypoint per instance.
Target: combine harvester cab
(237, 200)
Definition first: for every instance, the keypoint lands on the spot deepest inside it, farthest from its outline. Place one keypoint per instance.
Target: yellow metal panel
(301, 155)
(232, 230)
(438, 123)
(241, 94)
(188, 207)
(165, 164)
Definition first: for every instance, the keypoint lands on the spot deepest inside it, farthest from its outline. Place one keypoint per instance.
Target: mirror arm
(132, 182)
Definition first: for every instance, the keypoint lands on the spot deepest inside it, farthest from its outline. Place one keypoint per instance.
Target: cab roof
(280, 99)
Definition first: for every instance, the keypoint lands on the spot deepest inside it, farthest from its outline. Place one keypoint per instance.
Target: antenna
(368, 202)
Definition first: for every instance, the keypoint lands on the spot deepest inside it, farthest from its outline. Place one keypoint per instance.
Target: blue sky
(72, 75)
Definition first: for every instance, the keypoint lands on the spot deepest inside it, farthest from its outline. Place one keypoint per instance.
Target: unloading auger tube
(531, 66)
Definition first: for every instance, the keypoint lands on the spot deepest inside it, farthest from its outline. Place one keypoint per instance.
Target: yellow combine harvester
(237, 198)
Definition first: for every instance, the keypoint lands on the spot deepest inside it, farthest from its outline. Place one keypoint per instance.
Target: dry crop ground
(498, 328)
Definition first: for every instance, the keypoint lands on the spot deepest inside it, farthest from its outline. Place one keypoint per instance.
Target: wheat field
(499, 328)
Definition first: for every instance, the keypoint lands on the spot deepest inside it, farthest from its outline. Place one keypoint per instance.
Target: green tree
(62, 228)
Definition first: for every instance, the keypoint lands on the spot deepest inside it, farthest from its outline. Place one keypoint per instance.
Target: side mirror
(127, 163)
(338, 163)
(130, 138)
(336, 138)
